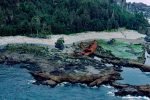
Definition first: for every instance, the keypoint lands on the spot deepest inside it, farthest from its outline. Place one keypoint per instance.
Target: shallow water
(16, 84)
(135, 77)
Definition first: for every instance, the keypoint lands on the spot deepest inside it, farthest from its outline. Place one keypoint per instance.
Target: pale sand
(69, 39)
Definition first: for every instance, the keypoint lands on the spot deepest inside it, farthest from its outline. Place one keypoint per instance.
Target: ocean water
(16, 84)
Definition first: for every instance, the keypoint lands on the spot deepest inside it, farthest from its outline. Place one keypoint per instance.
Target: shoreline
(56, 66)
(126, 35)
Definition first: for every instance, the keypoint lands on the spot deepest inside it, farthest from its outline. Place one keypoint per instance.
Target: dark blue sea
(17, 84)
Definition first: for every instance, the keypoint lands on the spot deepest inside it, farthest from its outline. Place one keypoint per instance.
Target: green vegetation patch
(28, 48)
(123, 49)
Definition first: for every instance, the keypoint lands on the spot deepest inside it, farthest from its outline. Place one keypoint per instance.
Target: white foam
(148, 20)
(97, 58)
(62, 84)
(85, 85)
(94, 87)
(107, 86)
(147, 73)
(111, 93)
(129, 97)
(31, 81)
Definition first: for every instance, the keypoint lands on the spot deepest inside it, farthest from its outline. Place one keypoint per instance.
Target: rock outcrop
(126, 89)
(91, 80)
(58, 68)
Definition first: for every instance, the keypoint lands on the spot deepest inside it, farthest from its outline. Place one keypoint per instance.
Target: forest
(28, 17)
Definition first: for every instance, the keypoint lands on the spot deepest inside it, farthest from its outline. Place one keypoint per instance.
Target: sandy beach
(69, 39)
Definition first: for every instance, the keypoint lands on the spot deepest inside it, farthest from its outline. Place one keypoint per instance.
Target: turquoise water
(16, 84)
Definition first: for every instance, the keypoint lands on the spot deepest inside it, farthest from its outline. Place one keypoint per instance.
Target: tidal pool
(135, 77)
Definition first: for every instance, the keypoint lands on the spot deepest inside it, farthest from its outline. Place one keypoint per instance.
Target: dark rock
(30, 67)
(2, 59)
(126, 89)
(147, 38)
(112, 41)
(130, 64)
(56, 72)
(60, 44)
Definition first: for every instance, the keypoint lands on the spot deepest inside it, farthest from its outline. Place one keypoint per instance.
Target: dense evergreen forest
(25, 17)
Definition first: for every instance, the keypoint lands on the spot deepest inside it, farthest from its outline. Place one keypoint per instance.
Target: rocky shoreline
(56, 67)
(90, 80)
(126, 89)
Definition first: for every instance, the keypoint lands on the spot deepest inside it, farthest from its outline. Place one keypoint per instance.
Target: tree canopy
(25, 17)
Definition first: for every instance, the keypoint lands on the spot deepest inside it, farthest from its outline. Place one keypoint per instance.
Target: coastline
(56, 66)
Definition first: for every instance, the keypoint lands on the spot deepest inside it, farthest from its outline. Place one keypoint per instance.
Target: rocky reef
(91, 79)
(50, 66)
(57, 68)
